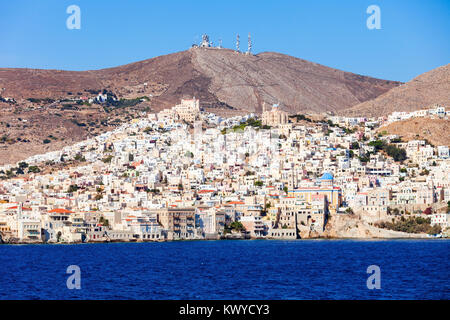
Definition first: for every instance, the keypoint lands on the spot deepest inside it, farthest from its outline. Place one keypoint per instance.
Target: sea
(230, 270)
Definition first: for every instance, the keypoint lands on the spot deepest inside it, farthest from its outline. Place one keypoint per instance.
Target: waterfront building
(180, 222)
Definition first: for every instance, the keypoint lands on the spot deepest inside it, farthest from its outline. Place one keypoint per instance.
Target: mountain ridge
(219, 77)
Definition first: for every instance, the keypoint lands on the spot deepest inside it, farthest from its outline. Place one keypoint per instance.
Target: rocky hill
(433, 130)
(425, 90)
(45, 116)
(221, 78)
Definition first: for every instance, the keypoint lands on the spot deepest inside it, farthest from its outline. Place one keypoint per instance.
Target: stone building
(274, 117)
(188, 110)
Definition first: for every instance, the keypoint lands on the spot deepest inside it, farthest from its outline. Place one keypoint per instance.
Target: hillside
(434, 130)
(220, 78)
(225, 82)
(425, 90)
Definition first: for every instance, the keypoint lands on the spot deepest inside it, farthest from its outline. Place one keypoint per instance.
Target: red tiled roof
(60, 210)
(206, 191)
(15, 207)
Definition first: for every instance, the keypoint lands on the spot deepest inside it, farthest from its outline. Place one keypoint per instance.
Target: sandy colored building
(180, 222)
(188, 110)
(274, 117)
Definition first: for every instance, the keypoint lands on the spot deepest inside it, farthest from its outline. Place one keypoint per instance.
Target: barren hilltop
(432, 87)
(221, 78)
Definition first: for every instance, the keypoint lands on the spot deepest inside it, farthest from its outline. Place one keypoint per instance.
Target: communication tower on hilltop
(249, 51)
(238, 43)
(220, 44)
(205, 41)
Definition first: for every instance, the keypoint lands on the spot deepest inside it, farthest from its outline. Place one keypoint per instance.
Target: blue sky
(414, 36)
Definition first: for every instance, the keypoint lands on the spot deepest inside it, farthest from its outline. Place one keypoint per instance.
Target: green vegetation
(103, 221)
(79, 157)
(346, 130)
(23, 165)
(148, 130)
(299, 117)
(73, 188)
(46, 141)
(365, 158)
(111, 103)
(250, 122)
(377, 144)
(398, 154)
(107, 159)
(234, 226)
(44, 100)
(411, 225)
(259, 183)
(396, 140)
(33, 169)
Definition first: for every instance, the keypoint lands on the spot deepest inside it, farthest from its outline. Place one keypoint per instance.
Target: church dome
(326, 176)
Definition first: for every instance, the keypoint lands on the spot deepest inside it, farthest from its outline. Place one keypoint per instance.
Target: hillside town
(187, 174)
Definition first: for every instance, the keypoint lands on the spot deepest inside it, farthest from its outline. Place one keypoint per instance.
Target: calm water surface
(322, 269)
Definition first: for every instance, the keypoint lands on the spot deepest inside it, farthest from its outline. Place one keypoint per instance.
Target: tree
(377, 144)
(79, 157)
(107, 159)
(397, 153)
(73, 188)
(23, 165)
(103, 221)
(33, 169)
(237, 226)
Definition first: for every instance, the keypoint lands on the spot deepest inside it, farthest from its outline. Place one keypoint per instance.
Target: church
(274, 117)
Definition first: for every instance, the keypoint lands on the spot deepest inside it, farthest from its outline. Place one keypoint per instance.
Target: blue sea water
(316, 269)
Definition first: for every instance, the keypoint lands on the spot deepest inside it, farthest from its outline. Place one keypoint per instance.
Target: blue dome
(326, 176)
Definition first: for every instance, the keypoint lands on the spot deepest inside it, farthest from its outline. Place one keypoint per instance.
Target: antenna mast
(249, 44)
(238, 42)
